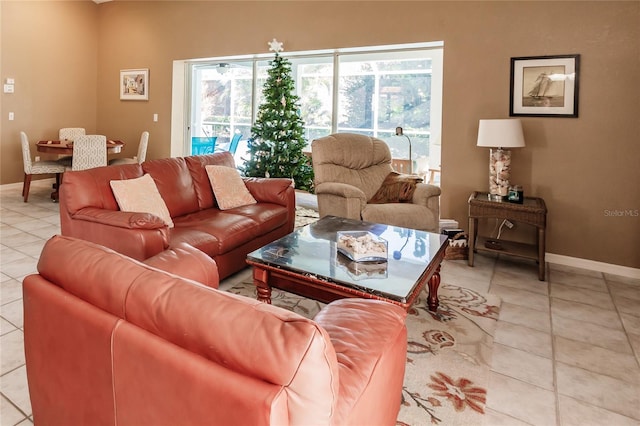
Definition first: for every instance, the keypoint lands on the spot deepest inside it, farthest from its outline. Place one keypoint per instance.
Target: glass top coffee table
(307, 262)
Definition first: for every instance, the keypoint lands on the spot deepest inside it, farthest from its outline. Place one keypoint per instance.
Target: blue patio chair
(233, 146)
(203, 145)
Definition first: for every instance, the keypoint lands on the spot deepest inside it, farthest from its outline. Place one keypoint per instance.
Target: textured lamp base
(499, 171)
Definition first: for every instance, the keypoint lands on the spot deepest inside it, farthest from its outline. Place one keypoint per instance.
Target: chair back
(89, 151)
(358, 160)
(70, 134)
(26, 153)
(233, 145)
(142, 148)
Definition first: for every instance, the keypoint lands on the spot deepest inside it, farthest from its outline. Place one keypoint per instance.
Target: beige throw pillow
(228, 187)
(140, 195)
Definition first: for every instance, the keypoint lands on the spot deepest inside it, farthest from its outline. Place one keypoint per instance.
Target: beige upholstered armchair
(350, 169)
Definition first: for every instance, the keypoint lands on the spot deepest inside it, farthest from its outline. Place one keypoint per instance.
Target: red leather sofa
(88, 210)
(110, 340)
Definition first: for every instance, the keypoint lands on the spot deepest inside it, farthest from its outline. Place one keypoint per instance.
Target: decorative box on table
(362, 246)
(362, 270)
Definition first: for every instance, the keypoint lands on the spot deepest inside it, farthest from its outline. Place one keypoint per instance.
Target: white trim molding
(593, 265)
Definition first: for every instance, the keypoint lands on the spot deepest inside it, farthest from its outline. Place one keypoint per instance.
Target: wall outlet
(11, 116)
(37, 158)
(509, 224)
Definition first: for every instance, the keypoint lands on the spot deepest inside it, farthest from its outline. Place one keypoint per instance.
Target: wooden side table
(533, 212)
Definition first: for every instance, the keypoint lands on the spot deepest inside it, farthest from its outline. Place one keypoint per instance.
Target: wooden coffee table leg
(434, 283)
(261, 281)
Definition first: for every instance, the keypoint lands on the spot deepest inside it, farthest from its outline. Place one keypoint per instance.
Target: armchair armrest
(271, 190)
(341, 190)
(424, 192)
(340, 199)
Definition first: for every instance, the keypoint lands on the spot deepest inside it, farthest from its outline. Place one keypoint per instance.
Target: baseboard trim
(593, 265)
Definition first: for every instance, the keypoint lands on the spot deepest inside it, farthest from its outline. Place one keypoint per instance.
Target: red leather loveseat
(111, 341)
(88, 210)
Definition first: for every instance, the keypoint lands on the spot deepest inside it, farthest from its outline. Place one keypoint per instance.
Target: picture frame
(134, 85)
(544, 86)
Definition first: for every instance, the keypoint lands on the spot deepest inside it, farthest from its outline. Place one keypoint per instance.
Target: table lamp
(499, 134)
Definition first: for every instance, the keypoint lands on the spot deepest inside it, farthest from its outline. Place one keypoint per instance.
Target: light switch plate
(8, 88)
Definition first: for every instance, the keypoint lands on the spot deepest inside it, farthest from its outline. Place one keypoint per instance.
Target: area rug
(448, 357)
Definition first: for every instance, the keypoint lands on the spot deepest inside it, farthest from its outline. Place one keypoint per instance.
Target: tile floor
(566, 351)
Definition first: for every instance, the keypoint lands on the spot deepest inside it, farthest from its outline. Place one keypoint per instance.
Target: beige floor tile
(10, 290)
(13, 312)
(21, 267)
(14, 387)
(9, 256)
(11, 217)
(634, 340)
(522, 280)
(6, 327)
(26, 422)
(494, 418)
(521, 315)
(523, 338)
(4, 277)
(631, 323)
(594, 334)
(593, 283)
(47, 232)
(621, 279)
(582, 312)
(19, 238)
(577, 413)
(521, 297)
(525, 402)
(10, 414)
(627, 306)
(606, 392)
(555, 268)
(33, 249)
(589, 297)
(623, 366)
(12, 355)
(31, 225)
(621, 290)
(522, 365)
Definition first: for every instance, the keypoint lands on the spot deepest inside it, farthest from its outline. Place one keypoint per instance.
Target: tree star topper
(275, 45)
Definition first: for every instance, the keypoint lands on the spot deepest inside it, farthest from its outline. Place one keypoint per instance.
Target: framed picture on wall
(134, 85)
(544, 86)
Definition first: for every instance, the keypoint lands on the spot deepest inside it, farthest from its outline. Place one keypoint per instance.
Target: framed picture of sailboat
(544, 86)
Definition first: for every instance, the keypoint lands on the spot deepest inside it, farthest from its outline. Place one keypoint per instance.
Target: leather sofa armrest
(270, 190)
(341, 190)
(370, 341)
(187, 262)
(120, 219)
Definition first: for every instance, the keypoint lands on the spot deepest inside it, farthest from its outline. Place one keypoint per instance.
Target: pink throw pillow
(228, 187)
(140, 195)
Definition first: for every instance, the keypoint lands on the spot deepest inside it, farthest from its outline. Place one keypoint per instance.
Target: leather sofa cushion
(91, 187)
(215, 231)
(174, 183)
(196, 165)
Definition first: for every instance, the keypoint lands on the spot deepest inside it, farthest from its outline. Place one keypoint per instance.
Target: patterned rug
(448, 356)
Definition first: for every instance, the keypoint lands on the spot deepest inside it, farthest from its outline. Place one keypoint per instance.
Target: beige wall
(583, 167)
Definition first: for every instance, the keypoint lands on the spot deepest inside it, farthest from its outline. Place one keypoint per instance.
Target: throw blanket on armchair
(396, 188)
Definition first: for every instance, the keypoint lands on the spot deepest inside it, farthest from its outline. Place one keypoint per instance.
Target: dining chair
(69, 134)
(36, 167)
(66, 135)
(89, 151)
(142, 153)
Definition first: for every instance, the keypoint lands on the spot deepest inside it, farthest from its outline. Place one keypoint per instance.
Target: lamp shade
(501, 133)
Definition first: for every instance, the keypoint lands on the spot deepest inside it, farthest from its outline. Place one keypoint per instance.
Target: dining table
(66, 148)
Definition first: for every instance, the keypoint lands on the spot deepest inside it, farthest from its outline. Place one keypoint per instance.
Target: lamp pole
(399, 132)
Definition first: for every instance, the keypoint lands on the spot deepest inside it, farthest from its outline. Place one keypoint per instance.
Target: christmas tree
(277, 136)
